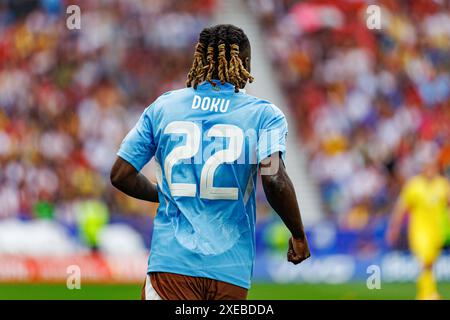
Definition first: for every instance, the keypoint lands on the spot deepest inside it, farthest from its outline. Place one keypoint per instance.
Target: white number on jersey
(187, 151)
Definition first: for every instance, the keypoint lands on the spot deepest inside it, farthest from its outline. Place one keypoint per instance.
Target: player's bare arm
(280, 193)
(128, 180)
(395, 223)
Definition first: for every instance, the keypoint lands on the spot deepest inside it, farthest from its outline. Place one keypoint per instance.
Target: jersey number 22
(190, 149)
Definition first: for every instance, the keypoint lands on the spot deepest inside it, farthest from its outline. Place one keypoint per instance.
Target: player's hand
(298, 250)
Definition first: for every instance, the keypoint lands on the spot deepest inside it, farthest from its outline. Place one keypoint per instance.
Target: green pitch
(258, 291)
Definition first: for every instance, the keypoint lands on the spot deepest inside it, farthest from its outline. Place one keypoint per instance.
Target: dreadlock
(216, 56)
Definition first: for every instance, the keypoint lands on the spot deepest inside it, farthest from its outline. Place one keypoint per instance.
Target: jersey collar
(217, 86)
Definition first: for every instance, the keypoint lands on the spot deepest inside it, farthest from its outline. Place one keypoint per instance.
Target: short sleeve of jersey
(138, 147)
(273, 133)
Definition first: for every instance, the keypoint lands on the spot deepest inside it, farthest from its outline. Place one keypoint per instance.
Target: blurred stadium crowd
(68, 97)
(370, 104)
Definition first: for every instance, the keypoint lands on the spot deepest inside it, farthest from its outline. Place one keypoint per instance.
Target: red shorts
(172, 286)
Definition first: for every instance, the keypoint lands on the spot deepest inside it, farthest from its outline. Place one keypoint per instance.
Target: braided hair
(217, 56)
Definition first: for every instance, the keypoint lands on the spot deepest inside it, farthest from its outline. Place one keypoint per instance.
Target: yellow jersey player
(425, 197)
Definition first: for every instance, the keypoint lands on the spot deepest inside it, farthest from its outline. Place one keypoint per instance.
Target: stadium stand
(68, 97)
(369, 103)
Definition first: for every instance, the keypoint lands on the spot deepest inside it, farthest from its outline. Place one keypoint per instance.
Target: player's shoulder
(168, 99)
(265, 106)
(173, 94)
(415, 180)
(414, 183)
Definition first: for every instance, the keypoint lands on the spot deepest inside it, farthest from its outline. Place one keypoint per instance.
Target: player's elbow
(122, 174)
(274, 184)
(115, 178)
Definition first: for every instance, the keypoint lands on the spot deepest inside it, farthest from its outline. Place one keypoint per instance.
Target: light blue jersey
(207, 144)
